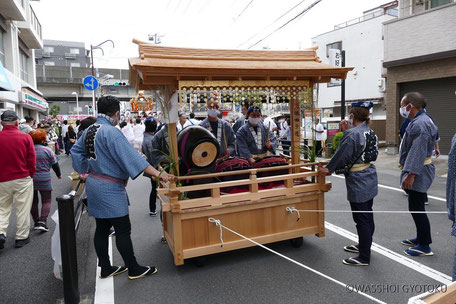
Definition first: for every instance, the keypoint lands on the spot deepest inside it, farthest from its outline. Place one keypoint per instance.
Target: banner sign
(33, 100)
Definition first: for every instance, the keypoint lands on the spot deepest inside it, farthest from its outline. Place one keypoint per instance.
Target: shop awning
(33, 100)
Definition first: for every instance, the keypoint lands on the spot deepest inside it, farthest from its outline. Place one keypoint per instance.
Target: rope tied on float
(219, 224)
(293, 209)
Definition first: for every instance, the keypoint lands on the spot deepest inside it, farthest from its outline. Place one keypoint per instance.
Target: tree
(54, 111)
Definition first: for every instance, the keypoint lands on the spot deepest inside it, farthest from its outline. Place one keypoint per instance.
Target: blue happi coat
(245, 142)
(451, 185)
(226, 136)
(103, 149)
(362, 186)
(417, 145)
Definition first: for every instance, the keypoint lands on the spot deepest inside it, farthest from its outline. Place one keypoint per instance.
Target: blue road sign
(90, 83)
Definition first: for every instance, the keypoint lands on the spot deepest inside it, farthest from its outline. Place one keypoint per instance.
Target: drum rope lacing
(218, 223)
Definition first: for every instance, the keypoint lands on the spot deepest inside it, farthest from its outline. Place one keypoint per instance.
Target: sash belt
(427, 161)
(110, 179)
(359, 167)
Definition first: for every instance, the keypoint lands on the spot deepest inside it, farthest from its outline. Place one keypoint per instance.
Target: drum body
(197, 147)
(200, 181)
(271, 161)
(233, 164)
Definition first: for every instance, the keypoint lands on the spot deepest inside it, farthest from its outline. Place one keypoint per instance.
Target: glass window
(75, 64)
(23, 60)
(49, 49)
(334, 45)
(436, 3)
(2, 47)
(49, 63)
(74, 51)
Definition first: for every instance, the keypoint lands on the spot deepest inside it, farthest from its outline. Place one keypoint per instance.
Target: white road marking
(399, 190)
(104, 288)
(401, 259)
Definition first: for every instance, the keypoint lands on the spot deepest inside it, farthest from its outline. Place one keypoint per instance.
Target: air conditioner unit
(381, 82)
(46, 55)
(419, 2)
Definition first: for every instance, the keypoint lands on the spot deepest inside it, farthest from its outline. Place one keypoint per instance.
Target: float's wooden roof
(158, 65)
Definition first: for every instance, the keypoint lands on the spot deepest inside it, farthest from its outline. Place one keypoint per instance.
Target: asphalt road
(250, 275)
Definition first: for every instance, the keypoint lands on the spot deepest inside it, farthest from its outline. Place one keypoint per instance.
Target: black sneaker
(142, 272)
(152, 213)
(41, 226)
(352, 248)
(113, 271)
(355, 261)
(21, 243)
(2, 241)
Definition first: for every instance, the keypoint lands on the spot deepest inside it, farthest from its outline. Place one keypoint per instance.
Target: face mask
(403, 111)
(350, 122)
(212, 113)
(254, 121)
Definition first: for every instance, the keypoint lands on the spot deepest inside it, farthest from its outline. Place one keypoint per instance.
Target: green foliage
(336, 141)
(54, 110)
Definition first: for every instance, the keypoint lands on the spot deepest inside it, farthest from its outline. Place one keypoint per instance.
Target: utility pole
(95, 47)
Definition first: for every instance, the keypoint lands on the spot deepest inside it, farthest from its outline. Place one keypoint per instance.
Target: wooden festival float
(258, 213)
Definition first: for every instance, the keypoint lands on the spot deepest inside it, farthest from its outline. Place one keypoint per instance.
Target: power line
(204, 5)
(286, 23)
(277, 19)
(186, 8)
(245, 8)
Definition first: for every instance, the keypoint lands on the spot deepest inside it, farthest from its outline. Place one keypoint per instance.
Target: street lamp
(97, 47)
(77, 103)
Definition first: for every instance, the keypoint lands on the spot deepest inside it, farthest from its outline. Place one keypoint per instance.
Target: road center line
(423, 269)
(398, 189)
(104, 288)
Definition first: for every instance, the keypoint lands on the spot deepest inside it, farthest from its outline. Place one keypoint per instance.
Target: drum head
(204, 154)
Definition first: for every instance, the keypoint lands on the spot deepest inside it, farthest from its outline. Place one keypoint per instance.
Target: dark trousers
(46, 200)
(365, 227)
(286, 147)
(423, 227)
(153, 196)
(122, 227)
(318, 148)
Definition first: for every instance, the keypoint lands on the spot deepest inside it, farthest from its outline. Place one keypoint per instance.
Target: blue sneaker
(419, 250)
(410, 242)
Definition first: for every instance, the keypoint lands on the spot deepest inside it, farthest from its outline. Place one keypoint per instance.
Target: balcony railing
(35, 24)
(375, 14)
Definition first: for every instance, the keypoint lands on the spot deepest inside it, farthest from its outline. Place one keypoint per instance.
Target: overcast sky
(223, 24)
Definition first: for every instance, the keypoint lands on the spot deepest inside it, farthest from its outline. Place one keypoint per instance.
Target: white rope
(219, 223)
(293, 209)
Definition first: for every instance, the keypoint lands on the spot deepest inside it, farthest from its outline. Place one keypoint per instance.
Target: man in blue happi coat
(220, 129)
(109, 159)
(254, 140)
(418, 172)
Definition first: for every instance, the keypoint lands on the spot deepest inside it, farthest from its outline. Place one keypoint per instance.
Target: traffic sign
(90, 83)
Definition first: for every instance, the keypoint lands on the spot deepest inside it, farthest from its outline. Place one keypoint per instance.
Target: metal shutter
(441, 105)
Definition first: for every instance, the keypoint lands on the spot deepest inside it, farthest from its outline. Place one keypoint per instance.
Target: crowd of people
(105, 150)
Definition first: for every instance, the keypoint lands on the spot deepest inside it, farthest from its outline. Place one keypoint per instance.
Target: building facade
(63, 53)
(420, 55)
(62, 86)
(362, 41)
(20, 34)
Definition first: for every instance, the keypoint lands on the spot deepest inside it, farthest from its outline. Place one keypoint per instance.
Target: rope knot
(217, 223)
(293, 209)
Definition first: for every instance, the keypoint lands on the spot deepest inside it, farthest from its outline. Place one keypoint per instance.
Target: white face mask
(212, 113)
(254, 121)
(403, 111)
(350, 121)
